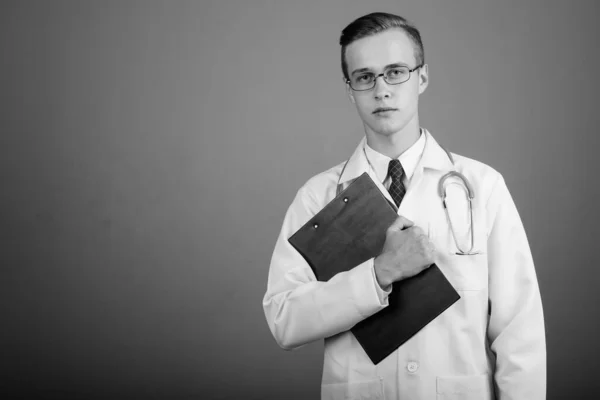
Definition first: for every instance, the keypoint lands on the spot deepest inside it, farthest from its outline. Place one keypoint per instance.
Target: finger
(430, 252)
(400, 223)
(418, 231)
(421, 239)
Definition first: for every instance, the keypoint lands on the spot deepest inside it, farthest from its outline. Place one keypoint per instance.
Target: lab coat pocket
(474, 387)
(456, 235)
(465, 272)
(367, 390)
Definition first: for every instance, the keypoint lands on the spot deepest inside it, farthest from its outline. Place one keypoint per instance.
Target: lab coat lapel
(422, 197)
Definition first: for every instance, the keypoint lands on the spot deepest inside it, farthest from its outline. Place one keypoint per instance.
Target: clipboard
(350, 230)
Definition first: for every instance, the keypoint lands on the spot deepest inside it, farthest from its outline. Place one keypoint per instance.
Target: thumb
(400, 223)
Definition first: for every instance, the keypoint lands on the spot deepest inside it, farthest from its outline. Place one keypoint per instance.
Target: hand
(406, 252)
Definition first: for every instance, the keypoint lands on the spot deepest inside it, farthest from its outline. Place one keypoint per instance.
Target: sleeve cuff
(382, 294)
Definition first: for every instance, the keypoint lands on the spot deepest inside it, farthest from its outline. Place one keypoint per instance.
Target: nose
(382, 89)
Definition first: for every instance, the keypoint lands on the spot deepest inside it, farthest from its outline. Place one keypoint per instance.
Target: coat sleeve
(298, 308)
(516, 326)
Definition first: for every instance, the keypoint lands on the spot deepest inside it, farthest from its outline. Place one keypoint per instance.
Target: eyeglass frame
(410, 71)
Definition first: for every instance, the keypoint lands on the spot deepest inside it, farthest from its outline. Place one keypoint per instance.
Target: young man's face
(375, 53)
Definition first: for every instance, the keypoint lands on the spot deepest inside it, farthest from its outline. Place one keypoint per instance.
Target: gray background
(149, 152)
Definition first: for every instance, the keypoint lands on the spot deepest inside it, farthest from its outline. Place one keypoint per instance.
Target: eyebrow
(356, 71)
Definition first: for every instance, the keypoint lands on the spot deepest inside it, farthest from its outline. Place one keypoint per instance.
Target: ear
(349, 92)
(423, 78)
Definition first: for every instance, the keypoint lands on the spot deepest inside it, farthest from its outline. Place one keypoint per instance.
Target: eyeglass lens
(393, 76)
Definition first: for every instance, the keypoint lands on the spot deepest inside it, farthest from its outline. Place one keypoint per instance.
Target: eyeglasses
(392, 76)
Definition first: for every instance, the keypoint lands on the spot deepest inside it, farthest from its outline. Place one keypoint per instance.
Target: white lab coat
(472, 350)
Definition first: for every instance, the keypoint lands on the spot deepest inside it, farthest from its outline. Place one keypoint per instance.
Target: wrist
(382, 275)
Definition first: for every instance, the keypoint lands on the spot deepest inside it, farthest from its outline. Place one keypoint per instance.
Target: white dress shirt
(409, 160)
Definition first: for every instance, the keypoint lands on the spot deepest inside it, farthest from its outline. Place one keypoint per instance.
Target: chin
(388, 129)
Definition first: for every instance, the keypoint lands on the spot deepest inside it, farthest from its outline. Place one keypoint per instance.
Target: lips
(384, 109)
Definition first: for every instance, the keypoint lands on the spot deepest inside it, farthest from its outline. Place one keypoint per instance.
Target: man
(490, 343)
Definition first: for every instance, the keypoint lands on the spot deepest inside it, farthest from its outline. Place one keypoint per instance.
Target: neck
(393, 145)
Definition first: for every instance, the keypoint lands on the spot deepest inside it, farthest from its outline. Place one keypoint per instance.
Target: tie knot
(395, 170)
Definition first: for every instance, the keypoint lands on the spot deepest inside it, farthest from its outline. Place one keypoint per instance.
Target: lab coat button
(412, 367)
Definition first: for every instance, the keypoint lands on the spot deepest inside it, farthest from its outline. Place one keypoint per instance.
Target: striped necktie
(397, 189)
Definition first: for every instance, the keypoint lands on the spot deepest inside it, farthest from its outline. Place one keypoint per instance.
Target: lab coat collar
(434, 157)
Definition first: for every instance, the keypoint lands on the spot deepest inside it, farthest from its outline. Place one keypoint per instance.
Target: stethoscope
(470, 194)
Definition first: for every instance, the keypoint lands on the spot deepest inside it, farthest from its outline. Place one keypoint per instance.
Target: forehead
(377, 51)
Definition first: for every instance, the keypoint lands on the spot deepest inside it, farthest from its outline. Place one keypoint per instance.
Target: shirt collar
(409, 159)
(434, 157)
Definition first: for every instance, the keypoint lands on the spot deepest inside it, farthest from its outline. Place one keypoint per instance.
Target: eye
(396, 72)
(364, 78)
